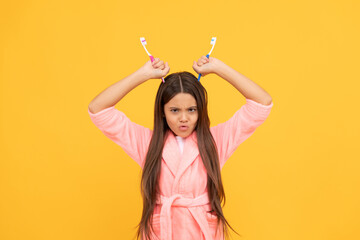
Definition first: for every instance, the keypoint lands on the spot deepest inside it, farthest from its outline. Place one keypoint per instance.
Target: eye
(173, 110)
(192, 109)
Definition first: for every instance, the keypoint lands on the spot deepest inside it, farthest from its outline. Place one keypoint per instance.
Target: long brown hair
(180, 82)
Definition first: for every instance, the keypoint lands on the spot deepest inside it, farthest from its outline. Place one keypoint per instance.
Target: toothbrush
(212, 42)
(143, 42)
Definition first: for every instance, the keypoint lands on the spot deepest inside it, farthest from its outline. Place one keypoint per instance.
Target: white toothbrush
(143, 42)
(212, 42)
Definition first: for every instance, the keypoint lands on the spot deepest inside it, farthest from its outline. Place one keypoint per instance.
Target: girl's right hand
(156, 69)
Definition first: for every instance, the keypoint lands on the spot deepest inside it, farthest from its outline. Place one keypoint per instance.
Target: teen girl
(182, 157)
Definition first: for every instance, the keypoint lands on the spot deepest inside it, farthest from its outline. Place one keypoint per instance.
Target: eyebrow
(187, 108)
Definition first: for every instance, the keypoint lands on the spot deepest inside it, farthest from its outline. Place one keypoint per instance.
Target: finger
(204, 58)
(158, 64)
(156, 60)
(161, 64)
(195, 66)
(167, 68)
(203, 61)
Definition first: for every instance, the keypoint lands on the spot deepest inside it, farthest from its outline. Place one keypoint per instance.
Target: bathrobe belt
(179, 201)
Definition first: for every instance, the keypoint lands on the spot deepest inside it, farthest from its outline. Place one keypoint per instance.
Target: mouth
(183, 128)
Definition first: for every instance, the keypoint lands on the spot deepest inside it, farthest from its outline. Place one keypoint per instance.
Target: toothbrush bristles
(143, 41)
(213, 40)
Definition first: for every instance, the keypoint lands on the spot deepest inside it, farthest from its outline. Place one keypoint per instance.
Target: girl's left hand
(205, 65)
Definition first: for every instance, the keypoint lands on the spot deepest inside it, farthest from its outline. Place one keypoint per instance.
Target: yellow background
(296, 178)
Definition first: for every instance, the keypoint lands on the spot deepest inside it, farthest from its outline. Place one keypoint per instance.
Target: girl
(182, 157)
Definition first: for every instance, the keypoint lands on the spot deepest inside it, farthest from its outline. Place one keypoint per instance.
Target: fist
(156, 69)
(205, 65)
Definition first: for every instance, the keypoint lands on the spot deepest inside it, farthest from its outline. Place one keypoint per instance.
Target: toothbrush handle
(200, 73)
(152, 59)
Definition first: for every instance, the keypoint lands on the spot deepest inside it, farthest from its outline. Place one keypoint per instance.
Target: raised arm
(133, 138)
(230, 134)
(113, 94)
(248, 88)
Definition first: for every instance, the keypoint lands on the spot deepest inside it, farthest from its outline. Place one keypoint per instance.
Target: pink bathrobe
(181, 209)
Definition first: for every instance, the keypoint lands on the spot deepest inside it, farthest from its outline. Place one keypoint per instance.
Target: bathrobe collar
(177, 162)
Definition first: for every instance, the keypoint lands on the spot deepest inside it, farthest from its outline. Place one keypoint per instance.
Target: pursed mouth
(184, 127)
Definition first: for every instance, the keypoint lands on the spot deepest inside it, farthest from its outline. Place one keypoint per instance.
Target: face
(181, 114)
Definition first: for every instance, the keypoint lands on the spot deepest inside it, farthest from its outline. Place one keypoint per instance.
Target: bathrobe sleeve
(230, 134)
(133, 138)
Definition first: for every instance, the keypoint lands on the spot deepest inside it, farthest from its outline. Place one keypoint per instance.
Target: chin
(183, 134)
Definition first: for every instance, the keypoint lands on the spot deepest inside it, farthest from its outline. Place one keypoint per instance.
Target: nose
(183, 118)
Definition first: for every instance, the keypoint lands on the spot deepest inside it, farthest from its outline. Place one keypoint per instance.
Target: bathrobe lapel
(171, 153)
(177, 162)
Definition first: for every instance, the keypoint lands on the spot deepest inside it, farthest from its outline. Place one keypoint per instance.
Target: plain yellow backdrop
(297, 177)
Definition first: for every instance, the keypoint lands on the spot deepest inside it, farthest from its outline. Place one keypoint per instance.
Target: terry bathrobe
(182, 204)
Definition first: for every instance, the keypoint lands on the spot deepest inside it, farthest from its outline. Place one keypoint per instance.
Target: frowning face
(181, 114)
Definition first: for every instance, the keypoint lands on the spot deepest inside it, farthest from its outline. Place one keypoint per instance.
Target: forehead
(182, 100)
